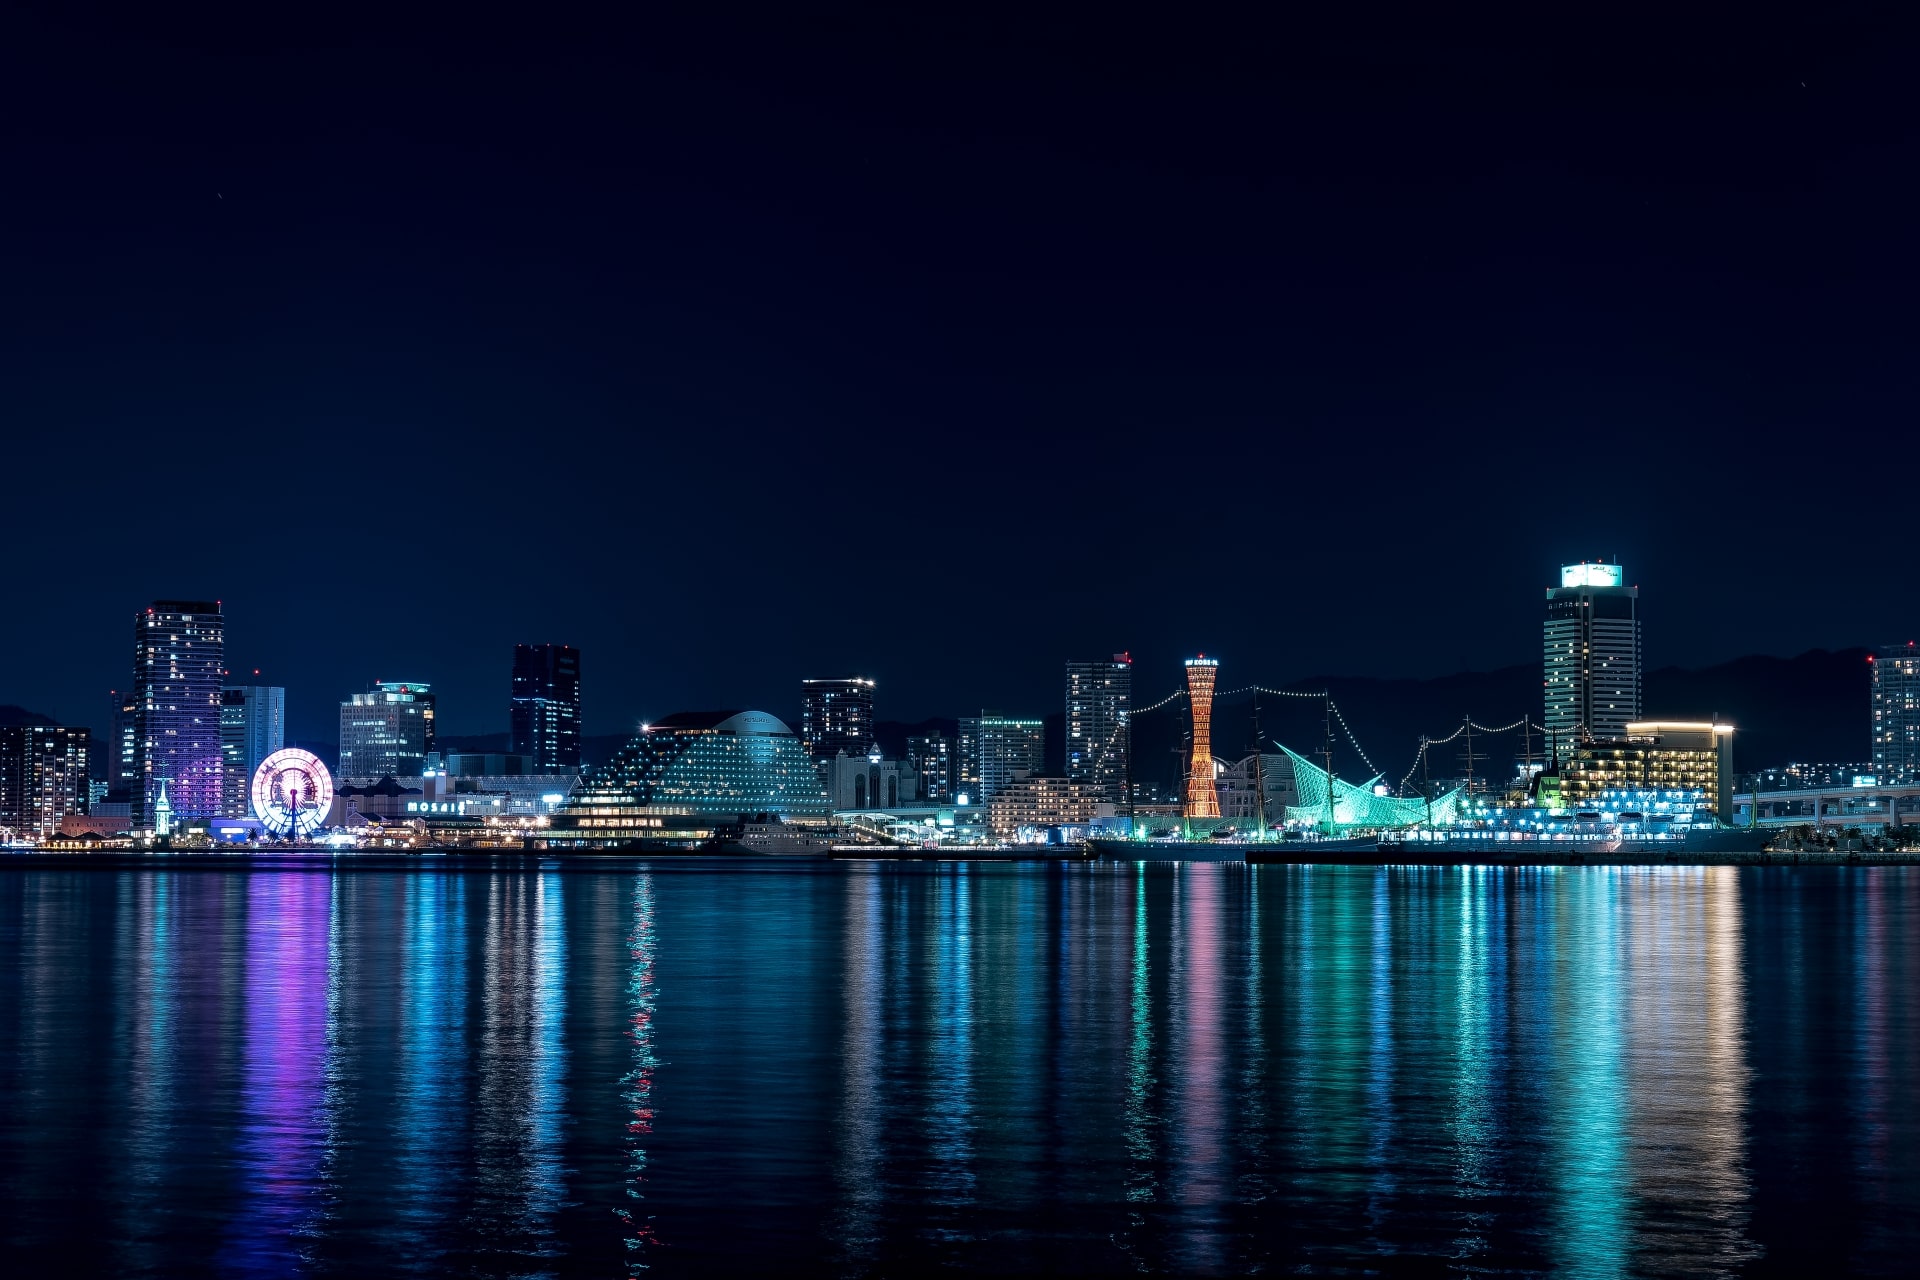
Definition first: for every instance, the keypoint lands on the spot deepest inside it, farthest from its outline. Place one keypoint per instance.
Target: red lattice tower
(1202, 800)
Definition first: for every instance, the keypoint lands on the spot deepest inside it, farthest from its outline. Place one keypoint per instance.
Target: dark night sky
(944, 349)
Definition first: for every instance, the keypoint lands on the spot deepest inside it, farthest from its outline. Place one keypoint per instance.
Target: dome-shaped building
(681, 778)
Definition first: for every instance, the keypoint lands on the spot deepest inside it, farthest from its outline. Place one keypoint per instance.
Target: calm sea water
(870, 1069)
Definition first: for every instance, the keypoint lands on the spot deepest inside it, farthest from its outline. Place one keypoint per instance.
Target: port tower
(1202, 800)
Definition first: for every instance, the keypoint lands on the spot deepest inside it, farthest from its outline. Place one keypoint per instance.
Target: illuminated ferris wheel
(292, 792)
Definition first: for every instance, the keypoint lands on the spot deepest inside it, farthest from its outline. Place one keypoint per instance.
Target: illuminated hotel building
(686, 774)
(253, 725)
(544, 716)
(179, 668)
(386, 732)
(1592, 656)
(1652, 755)
(1099, 698)
(1202, 800)
(836, 716)
(1896, 713)
(43, 778)
(996, 749)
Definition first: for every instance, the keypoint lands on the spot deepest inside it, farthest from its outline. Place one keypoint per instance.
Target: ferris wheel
(292, 792)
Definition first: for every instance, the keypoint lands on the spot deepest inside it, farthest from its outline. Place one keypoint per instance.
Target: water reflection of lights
(637, 1086)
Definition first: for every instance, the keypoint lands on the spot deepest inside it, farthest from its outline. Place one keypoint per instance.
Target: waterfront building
(1099, 701)
(386, 732)
(932, 758)
(253, 725)
(1592, 656)
(836, 716)
(43, 778)
(179, 669)
(994, 748)
(1664, 756)
(694, 769)
(1026, 806)
(487, 764)
(869, 782)
(544, 714)
(1814, 777)
(1896, 713)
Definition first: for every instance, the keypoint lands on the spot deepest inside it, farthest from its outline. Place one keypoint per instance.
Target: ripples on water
(505, 1069)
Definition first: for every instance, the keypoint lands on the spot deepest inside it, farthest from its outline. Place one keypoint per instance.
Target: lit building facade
(179, 669)
(253, 725)
(868, 782)
(1896, 713)
(711, 766)
(1027, 806)
(386, 732)
(1592, 656)
(43, 778)
(123, 747)
(544, 715)
(1202, 800)
(1662, 756)
(995, 749)
(932, 758)
(836, 716)
(1099, 701)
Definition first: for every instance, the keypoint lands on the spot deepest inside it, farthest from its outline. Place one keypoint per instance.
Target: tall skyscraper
(1896, 713)
(995, 750)
(932, 759)
(1099, 701)
(253, 725)
(386, 732)
(43, 777)
(1203, 801)
(1592, 656)
(179, 667)
(836, 716)
(544, 714)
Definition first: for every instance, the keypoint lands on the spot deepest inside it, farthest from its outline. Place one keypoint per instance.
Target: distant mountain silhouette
(12, 716)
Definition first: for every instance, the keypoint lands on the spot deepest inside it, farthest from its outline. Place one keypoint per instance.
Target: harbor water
(517, 1067)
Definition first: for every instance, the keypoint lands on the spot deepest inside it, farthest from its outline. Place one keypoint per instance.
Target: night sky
(943, 350)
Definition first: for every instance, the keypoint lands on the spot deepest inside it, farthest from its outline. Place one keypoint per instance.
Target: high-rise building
(966, 761)
(253, 725)
(836, 716)
(545, 711)
(1099, 700)
(1202, 800)
(1592, 656)
(1896, 713)
(123, 753)
(43, 778)
(932, 758)
(997, 749)
(386, 732)
(179, 667)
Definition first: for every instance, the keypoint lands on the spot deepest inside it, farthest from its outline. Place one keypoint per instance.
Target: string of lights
(1507, 728)
(1350, 738)
(1278, 693)
(1177, 693)
(1418, 756)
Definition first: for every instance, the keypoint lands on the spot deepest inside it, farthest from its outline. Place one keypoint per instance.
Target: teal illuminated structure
(690, 772)
(1356, 807)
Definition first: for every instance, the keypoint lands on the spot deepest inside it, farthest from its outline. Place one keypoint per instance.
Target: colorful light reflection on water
(501, 1068)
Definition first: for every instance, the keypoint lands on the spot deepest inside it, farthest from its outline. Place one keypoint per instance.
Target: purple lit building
(179, 668)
